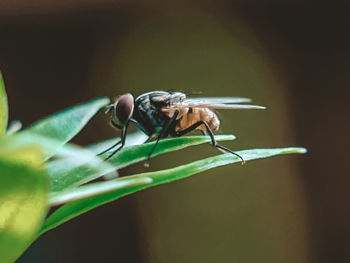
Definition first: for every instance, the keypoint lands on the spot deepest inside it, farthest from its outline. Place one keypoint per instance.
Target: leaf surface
(23, 202)
(89, 190)
(73, 209)
(67, 173)
(64, 125)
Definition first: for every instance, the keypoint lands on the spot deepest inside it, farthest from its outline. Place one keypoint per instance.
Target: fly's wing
(213, 103)
(215, 100)
(222, 106)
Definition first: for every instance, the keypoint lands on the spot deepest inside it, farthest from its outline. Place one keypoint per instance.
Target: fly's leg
(110, 148)
(210, 133)
(113, 146)
(123, 138)
(164, 132)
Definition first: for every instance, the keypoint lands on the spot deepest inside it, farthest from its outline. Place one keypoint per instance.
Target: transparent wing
(213, 103)
(232, 106)
(217, 100)
(214, 106)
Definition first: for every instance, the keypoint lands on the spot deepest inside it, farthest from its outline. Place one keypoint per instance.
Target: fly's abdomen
(194, 115)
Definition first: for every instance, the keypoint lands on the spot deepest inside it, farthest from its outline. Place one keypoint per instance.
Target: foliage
(32, 181)
(3, 107)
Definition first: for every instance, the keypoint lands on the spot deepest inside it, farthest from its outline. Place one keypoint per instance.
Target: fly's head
(121, 110)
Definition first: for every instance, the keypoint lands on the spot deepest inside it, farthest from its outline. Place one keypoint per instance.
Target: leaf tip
(300, 150)
(104, 101)
(3, 106)
(232, 137)
(226, 137)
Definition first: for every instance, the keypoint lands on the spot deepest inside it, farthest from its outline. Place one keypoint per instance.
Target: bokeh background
(293, 57)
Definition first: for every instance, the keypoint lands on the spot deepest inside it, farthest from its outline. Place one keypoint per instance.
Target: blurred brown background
(292, 57)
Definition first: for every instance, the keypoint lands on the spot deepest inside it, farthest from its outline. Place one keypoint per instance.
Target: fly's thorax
(194, 115)
(147, 111)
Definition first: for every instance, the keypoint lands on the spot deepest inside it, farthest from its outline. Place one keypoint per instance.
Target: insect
(161, 113)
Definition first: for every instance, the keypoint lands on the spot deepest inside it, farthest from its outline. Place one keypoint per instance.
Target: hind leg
(207, 132)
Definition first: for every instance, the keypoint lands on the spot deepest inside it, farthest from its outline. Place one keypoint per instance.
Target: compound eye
(124, 108)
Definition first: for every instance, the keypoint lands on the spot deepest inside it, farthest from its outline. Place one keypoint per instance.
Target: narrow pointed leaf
(89, 190)
(63, 126)
(134, 138)
(67, 173)
(3, 107)
(138, 153)
(80, 156)
(73, 209)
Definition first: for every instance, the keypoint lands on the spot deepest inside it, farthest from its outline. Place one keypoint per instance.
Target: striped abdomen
(190, 116)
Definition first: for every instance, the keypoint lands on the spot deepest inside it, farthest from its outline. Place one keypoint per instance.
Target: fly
(163, 114)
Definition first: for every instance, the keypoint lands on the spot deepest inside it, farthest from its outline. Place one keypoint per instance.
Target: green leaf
(3, 107)
(63, 126)
(9, 146)
(73, 209)
(96, 189)
(138, 153)
(14, 126)
(23, 203)
(133, 138)
(67, 173)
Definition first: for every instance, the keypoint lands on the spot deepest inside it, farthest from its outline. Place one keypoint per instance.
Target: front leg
(123, 136)
(122, 140)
